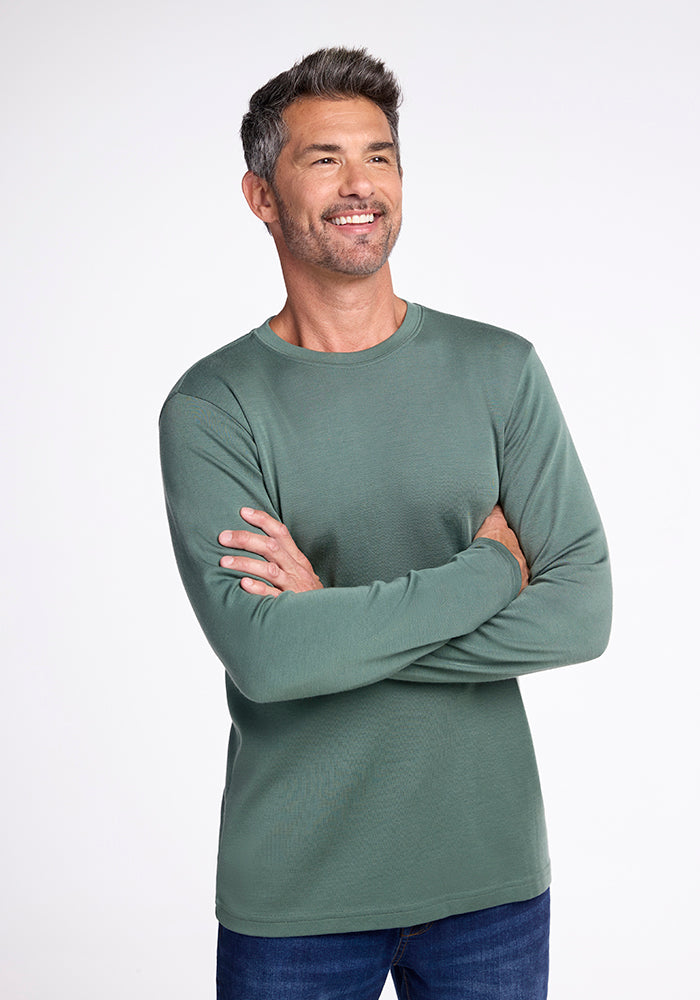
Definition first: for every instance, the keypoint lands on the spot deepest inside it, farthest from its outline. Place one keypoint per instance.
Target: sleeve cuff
(509, 560)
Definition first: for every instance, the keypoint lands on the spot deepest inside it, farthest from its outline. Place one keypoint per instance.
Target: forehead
(346, 120)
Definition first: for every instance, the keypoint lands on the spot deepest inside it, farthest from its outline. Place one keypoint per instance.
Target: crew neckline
(408, 328)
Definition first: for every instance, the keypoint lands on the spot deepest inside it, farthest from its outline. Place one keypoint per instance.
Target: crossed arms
(284, 637)
(285, 567)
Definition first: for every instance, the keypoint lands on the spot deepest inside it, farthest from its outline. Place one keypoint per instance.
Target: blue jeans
(501, 953)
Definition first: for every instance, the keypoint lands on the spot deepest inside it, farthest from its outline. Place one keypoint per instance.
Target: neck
(338, 313)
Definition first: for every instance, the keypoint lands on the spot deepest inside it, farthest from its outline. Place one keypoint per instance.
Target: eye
(324, 160)
(379, 159)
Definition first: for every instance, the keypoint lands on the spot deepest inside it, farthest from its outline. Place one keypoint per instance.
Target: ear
(260, 197)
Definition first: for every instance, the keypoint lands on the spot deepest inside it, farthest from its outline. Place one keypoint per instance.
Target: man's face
(337, 186)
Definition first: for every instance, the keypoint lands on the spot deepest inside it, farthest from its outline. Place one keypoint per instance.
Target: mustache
(355, 208)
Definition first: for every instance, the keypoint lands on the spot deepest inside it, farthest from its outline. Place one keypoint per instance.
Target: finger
(259, 588)
(268, 571)
(272, 551)
(267, 523)
(274, 529)
(261, 519)
(249, 541)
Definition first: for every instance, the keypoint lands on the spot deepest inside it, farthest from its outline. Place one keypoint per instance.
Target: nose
(355, 181)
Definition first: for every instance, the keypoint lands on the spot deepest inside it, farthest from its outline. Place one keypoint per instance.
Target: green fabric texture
(380, 769)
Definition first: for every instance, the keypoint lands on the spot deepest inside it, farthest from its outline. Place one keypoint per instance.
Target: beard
(316, 244)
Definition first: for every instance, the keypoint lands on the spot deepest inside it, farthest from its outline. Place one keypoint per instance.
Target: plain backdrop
(551, 187)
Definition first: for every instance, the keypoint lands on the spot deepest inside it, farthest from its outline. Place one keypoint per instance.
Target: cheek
(394, 195)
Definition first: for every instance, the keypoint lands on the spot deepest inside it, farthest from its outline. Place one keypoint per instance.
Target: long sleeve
(564, 615)
(301, 645)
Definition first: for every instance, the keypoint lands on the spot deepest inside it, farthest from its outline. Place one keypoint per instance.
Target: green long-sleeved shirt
(374, 779)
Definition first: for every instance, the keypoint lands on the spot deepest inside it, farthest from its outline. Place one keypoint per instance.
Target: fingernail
(246, 511)
(227, 561)
(226, 536)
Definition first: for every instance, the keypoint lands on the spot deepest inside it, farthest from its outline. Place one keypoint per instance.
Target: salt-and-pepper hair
(329, 73)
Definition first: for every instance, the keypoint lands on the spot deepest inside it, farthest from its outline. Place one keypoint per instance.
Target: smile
(354, 220)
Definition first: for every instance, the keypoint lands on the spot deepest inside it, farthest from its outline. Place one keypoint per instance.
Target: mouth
(363, 219)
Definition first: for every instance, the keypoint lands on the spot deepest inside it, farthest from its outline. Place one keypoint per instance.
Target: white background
(551, 175)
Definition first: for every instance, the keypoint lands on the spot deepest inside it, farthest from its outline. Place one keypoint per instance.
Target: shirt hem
(380, 920)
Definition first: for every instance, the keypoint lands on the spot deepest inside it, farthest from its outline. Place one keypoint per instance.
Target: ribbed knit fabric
(380, 768)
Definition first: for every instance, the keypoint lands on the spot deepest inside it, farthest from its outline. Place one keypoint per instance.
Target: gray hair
(329, 73)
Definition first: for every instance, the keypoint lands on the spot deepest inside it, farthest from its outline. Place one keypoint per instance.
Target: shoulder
(474, 334)
(482, 348)
(216, 378)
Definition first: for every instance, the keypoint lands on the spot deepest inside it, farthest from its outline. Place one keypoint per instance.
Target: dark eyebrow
(320, 147)
(330, 147)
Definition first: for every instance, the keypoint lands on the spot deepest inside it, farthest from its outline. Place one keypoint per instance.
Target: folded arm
(458, 622)
(282, 566)
(564, 615)
(298, 645)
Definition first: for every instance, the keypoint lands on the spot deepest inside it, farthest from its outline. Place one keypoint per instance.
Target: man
(381, 523)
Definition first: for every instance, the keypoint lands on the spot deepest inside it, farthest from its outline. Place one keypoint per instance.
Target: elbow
(580, 642)
(257, 695)
(261, 654)
(260, 678)
(261, 692)
(250, 661)
(253, 678)
(601, 635)
(592, 630)
(595, 644)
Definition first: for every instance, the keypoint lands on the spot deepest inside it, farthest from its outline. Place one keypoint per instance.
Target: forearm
(556, 621)
(325, 641)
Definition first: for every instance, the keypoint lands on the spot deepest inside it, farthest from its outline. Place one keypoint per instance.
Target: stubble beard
(365, 255)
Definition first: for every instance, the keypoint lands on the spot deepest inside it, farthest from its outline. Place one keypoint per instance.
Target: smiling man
(381, 523)
(348, 224)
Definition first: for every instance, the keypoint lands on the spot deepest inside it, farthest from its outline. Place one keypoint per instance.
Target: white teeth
(356, 220)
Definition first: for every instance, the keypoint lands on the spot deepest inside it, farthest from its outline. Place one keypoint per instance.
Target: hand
(285, 566)
(495, 526)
